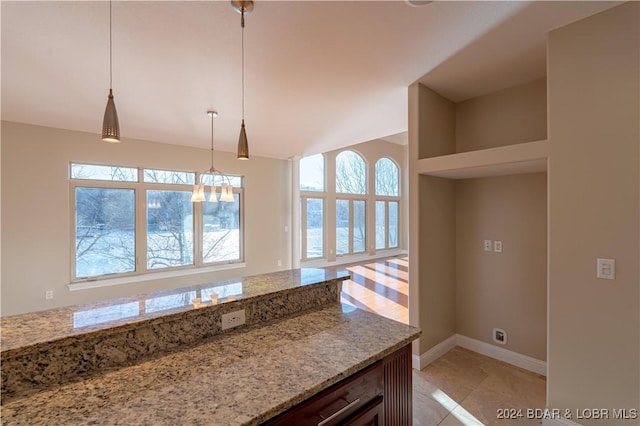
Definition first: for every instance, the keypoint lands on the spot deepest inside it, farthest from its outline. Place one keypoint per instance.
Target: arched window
(351, 173)
(387, 203)
(312, 173)
(387, 178)
(351, 205)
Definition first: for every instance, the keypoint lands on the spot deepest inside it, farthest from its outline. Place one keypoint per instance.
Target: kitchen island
(242, 376)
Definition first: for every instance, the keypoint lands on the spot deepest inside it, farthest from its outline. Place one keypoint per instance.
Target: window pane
(112, 173)
(351, 173)
(221, 231)
(312, 173)
(359, 226)
(169, 229)
(381, 222)
(168, 176)
(386, 178)
(393, 224)
(342, 226)
(315, 227)
(234, 181)
(105, 231)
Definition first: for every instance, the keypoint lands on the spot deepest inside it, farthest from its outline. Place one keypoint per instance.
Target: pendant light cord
(212, 168)
(110, 53)
(242, 38)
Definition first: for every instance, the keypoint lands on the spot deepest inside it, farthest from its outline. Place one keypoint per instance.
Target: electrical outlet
(233, 319)
(500, 336)
(279, 262)
(48, 295)
(497, 246)
(487, 245)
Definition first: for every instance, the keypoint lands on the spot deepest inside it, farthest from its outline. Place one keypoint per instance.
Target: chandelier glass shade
(226, 190)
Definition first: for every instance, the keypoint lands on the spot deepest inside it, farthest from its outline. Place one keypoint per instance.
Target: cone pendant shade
(110, 125)
(243, 145)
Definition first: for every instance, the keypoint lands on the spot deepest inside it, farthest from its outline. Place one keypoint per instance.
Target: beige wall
(437, 266)
(460, 288)
(431, 220)
(505, 290)
(513, 115)
(36, 215)
(594, 324)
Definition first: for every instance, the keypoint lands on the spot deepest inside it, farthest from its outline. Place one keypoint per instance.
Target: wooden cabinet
(379, 394)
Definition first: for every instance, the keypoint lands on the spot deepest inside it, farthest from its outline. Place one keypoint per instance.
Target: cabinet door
(371, 415)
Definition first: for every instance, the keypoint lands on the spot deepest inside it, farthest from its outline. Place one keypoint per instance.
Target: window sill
(85, 285)
(352, 258)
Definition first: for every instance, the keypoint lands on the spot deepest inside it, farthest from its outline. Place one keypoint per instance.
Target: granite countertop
(46, 326)
(243, 377)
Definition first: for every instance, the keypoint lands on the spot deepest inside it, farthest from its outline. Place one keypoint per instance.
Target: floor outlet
(233, 319)
(500, 336)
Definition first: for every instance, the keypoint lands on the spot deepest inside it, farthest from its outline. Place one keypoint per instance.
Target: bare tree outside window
(351, 173)
(105, 231)
(387, 178)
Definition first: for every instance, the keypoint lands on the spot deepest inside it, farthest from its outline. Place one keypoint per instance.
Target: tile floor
(466, 388)
(460, 388)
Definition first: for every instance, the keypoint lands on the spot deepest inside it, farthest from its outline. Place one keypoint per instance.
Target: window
(312, 205)
(169, 229)
(351, 207)
(351, 226)
(387, 203)
(221, 231)
(387, 178)
(312, 175)
(312, 226)
(105, 231)
(131, 221)
(351, 173)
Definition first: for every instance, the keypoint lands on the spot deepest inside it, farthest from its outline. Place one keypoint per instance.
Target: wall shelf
(529, 157)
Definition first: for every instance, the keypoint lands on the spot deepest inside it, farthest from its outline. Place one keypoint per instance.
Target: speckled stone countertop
(44, 350)
(46, 326)
(240, 378)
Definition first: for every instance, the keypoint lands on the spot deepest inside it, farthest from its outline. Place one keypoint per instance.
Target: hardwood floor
(381, 286)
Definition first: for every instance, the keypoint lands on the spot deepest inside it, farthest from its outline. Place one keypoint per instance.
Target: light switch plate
(487, 245)
(606, 269)
(497, 246)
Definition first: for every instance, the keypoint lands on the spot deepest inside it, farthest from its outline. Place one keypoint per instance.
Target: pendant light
(110, 125)
(226, 192)
(243, 145)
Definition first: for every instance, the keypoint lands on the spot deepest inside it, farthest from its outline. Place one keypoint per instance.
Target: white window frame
(140, 189)
(351, 198)
(386, 199)
(304, 197)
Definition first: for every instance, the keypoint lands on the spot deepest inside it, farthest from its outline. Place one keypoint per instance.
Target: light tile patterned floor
(460, 388)
(466, 388)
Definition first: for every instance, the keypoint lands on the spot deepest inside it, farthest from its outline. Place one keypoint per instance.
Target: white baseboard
(510, 357)
(492, 351)
(434, 353)
(559, 422)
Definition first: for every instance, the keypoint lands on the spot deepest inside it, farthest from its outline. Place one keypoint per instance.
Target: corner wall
(506, 290)
(36, 217)
(594, 210)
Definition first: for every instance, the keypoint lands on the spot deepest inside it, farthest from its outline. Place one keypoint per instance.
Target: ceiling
(319, 75)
